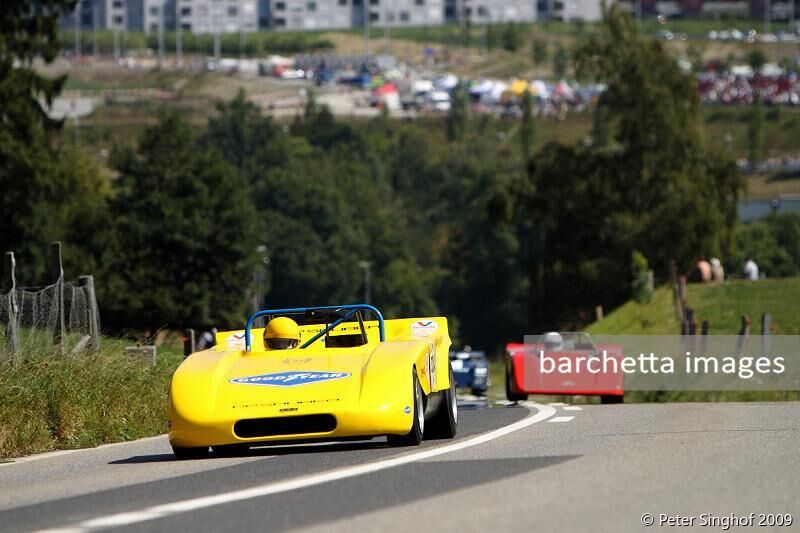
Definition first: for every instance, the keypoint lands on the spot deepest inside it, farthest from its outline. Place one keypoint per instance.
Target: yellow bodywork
(204, 404)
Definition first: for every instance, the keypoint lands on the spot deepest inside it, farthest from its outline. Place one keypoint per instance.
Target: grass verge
(50, 402)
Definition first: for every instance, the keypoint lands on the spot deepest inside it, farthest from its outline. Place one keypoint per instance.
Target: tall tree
(186, 231)
(457, 115)
(658, 190)
(527, 127)
(49, 192)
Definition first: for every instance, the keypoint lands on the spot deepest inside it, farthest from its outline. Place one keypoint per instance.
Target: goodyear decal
(424, 328)
(289, 379)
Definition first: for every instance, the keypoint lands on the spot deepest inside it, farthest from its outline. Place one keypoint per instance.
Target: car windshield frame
(350, 311)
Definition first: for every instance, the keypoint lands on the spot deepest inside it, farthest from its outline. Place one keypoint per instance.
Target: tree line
(461, 216)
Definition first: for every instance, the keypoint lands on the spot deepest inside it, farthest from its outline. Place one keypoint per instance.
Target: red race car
(564, 363)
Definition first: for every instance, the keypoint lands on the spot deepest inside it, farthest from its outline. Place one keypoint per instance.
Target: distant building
(490, 11)
(206, 16)
(312, 14)
(566, 10)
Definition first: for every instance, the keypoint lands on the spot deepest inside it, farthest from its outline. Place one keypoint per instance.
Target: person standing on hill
(717, 272)
(750, 270)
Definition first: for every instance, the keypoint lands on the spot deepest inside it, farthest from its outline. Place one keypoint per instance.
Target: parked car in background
(471, 370)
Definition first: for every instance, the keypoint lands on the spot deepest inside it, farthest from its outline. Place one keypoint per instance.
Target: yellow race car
(327, 373)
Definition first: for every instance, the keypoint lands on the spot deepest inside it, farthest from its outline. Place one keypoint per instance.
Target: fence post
(87, 284)
(766, 331)
(744, 335)
(10, 284)
(705, 329)
(673, 279)
(188, 342)
(57, 273)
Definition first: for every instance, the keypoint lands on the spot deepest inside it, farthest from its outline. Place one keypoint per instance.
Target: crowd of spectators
(730, 88)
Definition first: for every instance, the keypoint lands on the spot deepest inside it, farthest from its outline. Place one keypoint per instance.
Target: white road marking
(561, 419)
(557, 404)
(57, 453)
(572, 408)
(161, 511)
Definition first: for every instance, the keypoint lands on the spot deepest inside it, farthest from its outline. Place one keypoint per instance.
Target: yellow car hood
(297, 376)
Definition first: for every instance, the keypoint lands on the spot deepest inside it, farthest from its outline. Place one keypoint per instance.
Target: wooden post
(598, 313)
(87, 284)
(682, 290)
(705, 328)
(673, 279)
(188, 342)
(10, 285)
(57, 273)
(766, 332)
(744, 335)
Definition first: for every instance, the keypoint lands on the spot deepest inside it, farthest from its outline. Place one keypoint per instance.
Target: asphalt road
(516, 468)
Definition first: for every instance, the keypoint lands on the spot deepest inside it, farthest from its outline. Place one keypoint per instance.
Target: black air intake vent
(290, 425)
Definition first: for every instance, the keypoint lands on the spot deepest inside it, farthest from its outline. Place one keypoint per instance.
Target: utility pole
(77, 30)
(791, 16)
(215, 9)
(161, 15)
(95, 51)
(116, 44)
(178, 36)
(385, 26)
(767, 15)
(366, 27)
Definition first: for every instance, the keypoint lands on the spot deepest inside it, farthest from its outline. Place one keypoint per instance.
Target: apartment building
(490, 11)
(566, 10)
(210, 16)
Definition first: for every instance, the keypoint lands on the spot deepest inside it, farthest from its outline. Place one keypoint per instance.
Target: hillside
(723, 305)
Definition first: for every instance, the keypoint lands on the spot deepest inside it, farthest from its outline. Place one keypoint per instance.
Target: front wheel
(512, 395)
(445, 423)
(413, 437)
(611, 399)
(183, 454)
(230, 450)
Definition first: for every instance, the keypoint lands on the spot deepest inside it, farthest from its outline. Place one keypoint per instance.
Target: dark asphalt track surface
(588, 468)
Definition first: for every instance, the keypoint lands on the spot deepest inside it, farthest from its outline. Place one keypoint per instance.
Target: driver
(281, 333)
(553, 342)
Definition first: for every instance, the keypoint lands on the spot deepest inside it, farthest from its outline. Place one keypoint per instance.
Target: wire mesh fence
(57, 318)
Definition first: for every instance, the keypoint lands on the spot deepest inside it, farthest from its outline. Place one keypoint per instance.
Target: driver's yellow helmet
(282, 333)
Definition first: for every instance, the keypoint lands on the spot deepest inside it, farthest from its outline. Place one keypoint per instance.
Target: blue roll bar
(352, 308)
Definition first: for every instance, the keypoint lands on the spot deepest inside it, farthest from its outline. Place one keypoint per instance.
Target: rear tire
(510, 393)
(611, 399)
(445, 423)
(184, 454)
(413, 437)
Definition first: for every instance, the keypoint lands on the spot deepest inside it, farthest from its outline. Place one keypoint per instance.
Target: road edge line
(163, 510)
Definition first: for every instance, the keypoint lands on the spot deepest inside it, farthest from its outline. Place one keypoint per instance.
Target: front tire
(184, 454)
(510, 393)
(611, 399)
(445, 423)
(230, 450)
(413, 437)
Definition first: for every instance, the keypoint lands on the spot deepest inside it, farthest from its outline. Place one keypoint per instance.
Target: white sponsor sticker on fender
(236, 341)
(424, 328)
